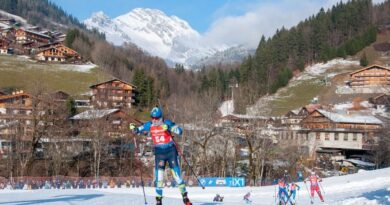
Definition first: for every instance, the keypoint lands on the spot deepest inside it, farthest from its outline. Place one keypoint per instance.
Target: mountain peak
(168, 37)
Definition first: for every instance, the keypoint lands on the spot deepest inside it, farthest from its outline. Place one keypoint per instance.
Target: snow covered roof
(360, 163)
(353, 118)
(249, 117)
(369, 67)
(93, 114)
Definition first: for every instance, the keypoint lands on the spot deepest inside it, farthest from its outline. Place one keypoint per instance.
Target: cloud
(263, 18)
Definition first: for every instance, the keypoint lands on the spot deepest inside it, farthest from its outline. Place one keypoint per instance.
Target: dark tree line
(40, 12)
(342, 30)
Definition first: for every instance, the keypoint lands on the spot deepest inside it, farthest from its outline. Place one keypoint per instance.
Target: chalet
(371, 76)
(60, 96)
(57, 53)
(23, 36)
(381, 100)
(4, 45)
(293, 118)
(330, 130)
(112, 94)
(14, 109)
(111, 122)
(243, 120)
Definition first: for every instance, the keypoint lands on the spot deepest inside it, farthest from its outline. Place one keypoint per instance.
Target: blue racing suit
(165, 151)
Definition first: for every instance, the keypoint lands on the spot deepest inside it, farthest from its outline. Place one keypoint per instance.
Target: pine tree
(364, 60)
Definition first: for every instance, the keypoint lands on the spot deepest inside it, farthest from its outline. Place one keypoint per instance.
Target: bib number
(160, 139)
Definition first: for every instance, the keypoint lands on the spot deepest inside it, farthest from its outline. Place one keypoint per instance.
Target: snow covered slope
(168, 37)
(365, 188)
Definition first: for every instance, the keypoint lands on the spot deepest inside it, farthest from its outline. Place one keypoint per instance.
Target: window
(336, 136)
(318, 136)
(345, 136)
(327, 136)
(354, 137)
(307, 136)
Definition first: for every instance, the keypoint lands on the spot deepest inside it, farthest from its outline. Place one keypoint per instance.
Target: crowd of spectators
(76, 183)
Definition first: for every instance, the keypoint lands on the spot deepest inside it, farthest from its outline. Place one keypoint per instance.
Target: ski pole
(192, 170)
(311, 199)
(143, 186)
(142, 179)
(275, 196)
(322, 188)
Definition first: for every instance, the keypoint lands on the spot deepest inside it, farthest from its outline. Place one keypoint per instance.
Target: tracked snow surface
(363, 188)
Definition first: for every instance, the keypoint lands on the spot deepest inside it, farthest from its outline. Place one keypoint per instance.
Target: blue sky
(228, 22)
(199, 13)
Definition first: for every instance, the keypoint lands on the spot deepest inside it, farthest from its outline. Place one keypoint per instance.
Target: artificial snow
(84, 68)
(320, 68)
(226, 108)
(363, 188)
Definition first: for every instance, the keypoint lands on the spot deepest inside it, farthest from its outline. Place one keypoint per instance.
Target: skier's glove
(165, 127)
(177, 130)
(131, 126)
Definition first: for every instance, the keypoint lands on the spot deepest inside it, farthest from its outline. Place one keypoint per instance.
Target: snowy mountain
(168, 37)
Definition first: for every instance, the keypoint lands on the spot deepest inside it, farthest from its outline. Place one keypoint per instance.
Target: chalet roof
(312, 107)
(292, 112)
(368, 67)
(379, 96)
(4, 26)
(5, 97)
(94, 114)
(115, 79)
(248, 117)
(353, 118)
(56, 46)
(37, 33)
(360, 163)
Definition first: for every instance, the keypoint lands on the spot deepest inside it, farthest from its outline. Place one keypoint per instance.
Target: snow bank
(17, 18)
(85, 68)
(320, 68)
(226, 108)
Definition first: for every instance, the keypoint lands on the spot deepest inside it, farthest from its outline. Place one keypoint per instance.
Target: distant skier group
(288, 189)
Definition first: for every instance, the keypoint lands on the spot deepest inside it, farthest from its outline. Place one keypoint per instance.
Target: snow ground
(85, 68)
(226, 108)
(363, 188)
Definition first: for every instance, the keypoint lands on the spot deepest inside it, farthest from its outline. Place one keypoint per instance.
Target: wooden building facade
(57, 53)
(374, 75)
(113, 94)
(24, 36)
(326, 129)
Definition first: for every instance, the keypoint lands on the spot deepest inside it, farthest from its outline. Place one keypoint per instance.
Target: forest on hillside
(340, 31)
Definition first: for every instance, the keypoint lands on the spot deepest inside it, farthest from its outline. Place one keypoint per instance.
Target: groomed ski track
(364, 188)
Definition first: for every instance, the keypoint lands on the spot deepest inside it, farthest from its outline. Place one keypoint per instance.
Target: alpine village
(315, 96)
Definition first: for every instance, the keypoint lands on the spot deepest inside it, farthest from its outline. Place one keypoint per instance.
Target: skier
(247, 198)
(165, 151)
(293, 192)
(314, 186)
(286, 177)
(282, 194)
(218, 198)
